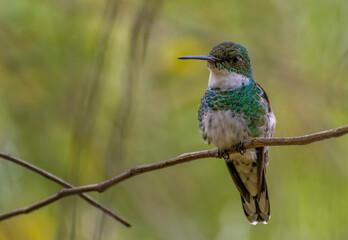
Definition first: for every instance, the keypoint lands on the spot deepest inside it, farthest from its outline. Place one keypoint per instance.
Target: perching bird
(235, 109)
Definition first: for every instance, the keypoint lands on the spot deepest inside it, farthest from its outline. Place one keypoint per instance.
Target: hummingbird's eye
(236, 59)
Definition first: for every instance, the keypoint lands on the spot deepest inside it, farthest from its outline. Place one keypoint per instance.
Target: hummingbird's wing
(264, 97)
(251, 180)
(259, 211)
(261, 170)
(238, 181)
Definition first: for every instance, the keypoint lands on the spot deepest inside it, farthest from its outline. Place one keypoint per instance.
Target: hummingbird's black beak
(206, 57)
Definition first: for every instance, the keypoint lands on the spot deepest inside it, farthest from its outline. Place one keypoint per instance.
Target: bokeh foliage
(92, 88)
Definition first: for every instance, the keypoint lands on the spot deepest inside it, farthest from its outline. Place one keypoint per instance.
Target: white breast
(224, 128)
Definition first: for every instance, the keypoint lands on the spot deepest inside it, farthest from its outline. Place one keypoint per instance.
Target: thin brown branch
(187, 157)
(61, 182)
(302, 140)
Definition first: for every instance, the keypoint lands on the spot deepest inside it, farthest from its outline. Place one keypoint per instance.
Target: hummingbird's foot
(223, 154)
(240, 148)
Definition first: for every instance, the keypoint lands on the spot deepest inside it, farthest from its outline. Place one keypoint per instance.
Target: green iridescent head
(227, 56)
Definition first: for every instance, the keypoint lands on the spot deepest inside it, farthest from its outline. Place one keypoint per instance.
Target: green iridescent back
(246, 101)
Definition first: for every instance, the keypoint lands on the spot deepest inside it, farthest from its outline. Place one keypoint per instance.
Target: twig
(187, 157)
(61, 182)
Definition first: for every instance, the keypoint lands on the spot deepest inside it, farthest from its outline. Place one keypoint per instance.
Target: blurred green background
(91, 88)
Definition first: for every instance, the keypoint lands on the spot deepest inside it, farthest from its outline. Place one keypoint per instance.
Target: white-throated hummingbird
(235, 109)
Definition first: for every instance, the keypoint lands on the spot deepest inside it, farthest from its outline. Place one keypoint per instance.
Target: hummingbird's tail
(258, 209)
(249, 176)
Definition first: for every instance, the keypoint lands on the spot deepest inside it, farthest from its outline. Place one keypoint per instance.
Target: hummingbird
(235, 109)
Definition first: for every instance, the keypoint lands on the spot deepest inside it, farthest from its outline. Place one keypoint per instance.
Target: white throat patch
(224, 79)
